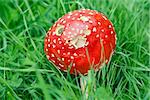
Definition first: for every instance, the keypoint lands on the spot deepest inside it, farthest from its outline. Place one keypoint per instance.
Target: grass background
(25, 73)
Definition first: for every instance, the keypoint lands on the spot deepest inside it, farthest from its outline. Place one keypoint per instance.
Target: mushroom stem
(83, 83)
(88, 84)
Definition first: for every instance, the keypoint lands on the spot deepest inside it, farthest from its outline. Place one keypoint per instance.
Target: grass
(25, 73)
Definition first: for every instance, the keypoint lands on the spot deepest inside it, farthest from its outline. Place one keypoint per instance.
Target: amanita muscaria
(80, 40)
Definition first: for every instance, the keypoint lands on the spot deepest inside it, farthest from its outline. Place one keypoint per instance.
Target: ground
(25, 72)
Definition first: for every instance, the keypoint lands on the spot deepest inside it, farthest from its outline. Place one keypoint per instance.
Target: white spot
(64, 22)
(78, 18)
(53, 61)
(88, 17)
(75, 54)
(65, 70)
(50, 28)
(68, 16)
(75, 34)
(83, 11)
(60, 42)
(80, 11)
(58, 59)
(99, 23)
(70, 13)
(48, 45)
(47, 36)
(59, 39)
(70, 47)
(77, 24)
(47, 56)
(106, 36)
(104, 17)
(82, 55)
(69, 36)
(63, 59)
(96, 12)
(58, 24)
(69, 32)
(102, 30)
(94, 29)
(48, 40)
(97, 35)
(54, 40)
(64, 33)
(64, 53)
(109, 26)
(73, 29)
(86, 26)
(61, 65)
(71, 57)
(111, 32)
(86, 43)
(69, 44)
(54, 25)
(106, 60)
(90, 21)
(68, 60)
(58, 51)
(53, 33)
(115, 39)
(54, 46)
(81, 15)
(65, 39)
(76, 14)
(83, 18)
(62, 47)
(52, 55)
(91, 13)
(61, 20)
(73, 64)
(73, 18)
(68, 53)
(46, 49)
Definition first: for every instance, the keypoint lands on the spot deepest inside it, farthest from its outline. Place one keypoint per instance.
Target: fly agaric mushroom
(80, 40)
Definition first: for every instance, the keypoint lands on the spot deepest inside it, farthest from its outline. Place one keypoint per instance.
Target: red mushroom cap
(80, 40)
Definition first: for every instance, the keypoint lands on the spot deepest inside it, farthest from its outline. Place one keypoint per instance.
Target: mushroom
(80, 40)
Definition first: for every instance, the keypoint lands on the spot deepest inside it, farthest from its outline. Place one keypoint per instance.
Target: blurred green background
(25, 73)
